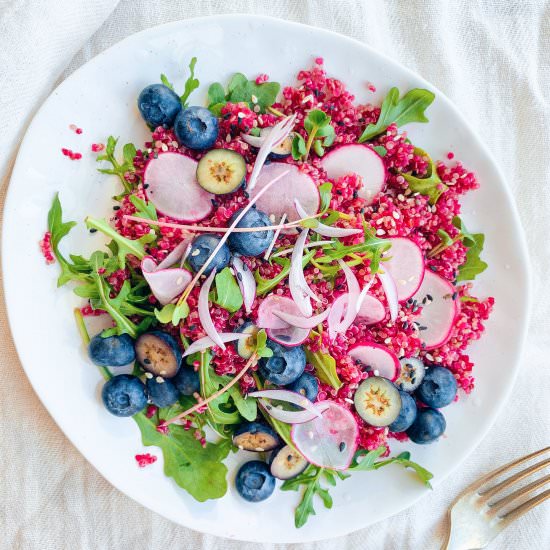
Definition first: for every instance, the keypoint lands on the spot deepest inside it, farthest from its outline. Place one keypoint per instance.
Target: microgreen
(320, 135)
(144, 209)
(410, 108)
(325, 195)
(227, 293)
(473, 265)
(119, 168)
(381, 150)
(325, 367)
(260, 348)
(431, 184)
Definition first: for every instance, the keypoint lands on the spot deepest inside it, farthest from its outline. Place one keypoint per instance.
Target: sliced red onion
(289, 397)
(207, 342)
(204, 311)
(362, 295)
(246, 281)
(296, 279)
(300, 321)
(352, 297)
(326, 230)
(287, 251)
(186, 254)
(255, 141)
(174, 256)
(336, 314)
(289, 336)
(288, 417)
(275, 237)
(390, 289)
(165, 284)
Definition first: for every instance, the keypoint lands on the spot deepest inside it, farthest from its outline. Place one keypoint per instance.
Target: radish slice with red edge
(371, 311)
(288, 397)
(390, 290)
(300, 321)
(329, 441)
(405, 265)
(171, 185)
(176, 255)
(165, 284)
(289, 337)
(352, 297)
(377, 358)
(246, 282)
(204, 311)
(359, 159)
(439, 310)
(326, 230)
(206, 342)
(274, 302)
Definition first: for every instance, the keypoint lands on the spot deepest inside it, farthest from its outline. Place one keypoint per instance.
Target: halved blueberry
(412, 374)
(255, 436)
(202, 248)
(158, 105)
(407, 414)
(438, 389)
(187, 381)
(158, 353)
(124, 395)
(255, 242)
(307, 385)
(113, 351)
(221, 171)
(246, 346)
(162, 393)
(285, 365)
(427, 427)
(286, 463)
(254, 481)
(377, 401)
(196, 128)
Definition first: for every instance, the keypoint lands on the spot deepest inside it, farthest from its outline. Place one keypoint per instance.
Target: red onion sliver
(207, 342)
(326, 230)
(204, 311)
(308, 245)
(302, 322)
(289, 397)
(337, 311)
(296, 280)
(390, 289)
(255, 141)
(353, 295)
(246, 281)
(165, 284)
(174, 256)
(275, 237)
(362, 295)
(288, 417)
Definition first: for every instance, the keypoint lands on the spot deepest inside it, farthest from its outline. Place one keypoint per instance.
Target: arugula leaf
(144, 209)
(325, 367)
(473, 265)
(181, 311)
(118, 168)
(191, 83)
(325, 194)
(410, 108)
(166, 82)
(260, 348)
(468, 238)
(368, 459)
(164, 315)
(247, 406)
(265, 285)
(227, 294)
(431, 184)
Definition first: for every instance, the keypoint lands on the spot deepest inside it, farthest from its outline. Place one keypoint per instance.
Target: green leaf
(318, 148)
(325, 367)
(446, 239)
(118, 168)
(424, 475)
(196, 469)
(166, 82)
(191, 83)
(315, 117)
(216, 109)
(410, 108)
(247, 406)
(265, 94)
(431, 184)
(325, 194)
(165, 314)
(144, 209)
(180, 312)
(298, 147)
(228, 294)
(382, 151)
(311, 223)
(468, 238)
(129, 152)
(473, 265)
(216, 94)
(368, 459)
(265, 285)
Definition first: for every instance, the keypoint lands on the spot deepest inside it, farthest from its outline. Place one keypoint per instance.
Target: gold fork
(482, 511)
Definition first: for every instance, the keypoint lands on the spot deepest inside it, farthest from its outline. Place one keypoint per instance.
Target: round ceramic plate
(101, 98)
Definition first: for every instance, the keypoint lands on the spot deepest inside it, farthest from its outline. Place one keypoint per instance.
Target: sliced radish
(274, 302)
(405, 265)
(206, 342)
(300, 321)
(289, 337)
(329, 441)
(377, 358)
(171, 185)
(357, 159)
(165, 284)
(280, 198)
(371, 310)
(246, 281)
(439, 310)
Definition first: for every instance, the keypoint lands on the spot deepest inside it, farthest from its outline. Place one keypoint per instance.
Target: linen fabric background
(491, 57)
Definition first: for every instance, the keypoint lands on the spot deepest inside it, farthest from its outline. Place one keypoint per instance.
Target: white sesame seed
(272, 218)
(307, 98)
(164, 147)
(348, 400)
(254, 98)
(380, 232)
(259, 449)
(400, 197)
(148, 375)
(376, 372)
(429, 357)
(159, 379)
(396, 215)
(175, 144)
(379, 221)
(240, 114)
(256, 109)
(195, 252)
(228, 138)
(387, 340)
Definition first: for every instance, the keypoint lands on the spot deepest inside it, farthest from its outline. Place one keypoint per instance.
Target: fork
(481, 512)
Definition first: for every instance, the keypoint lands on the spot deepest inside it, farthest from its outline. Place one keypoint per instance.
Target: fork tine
(518, 493)
(524, 508)
(486, 495)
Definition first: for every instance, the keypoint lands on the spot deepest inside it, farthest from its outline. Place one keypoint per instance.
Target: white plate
(101, 97)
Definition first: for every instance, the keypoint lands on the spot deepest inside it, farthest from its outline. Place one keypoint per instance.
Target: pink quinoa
(46, 248)
(145, 460)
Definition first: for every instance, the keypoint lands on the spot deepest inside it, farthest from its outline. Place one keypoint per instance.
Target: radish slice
(371, 311)
(207, 342)
(274, 302)
(352, 297)
(439, 310)
(357, 159)
(165, 284)
(326, 230)
(288, 417)
(289, 337)
(296, 279)
(204, 311)
(176, 255)
(300, 321)
(246, 281)
(172, 187)
(377, 358)
(289, 397)
(390, 289)
(337, 312)
(294, 185)
(329, 441)
(406, 266)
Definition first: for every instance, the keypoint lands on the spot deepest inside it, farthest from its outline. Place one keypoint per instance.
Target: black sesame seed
(338, 191)
(455, 295)
(429, 296)
(155, 155)
(147, 361)
(406, 325)
(422, 328)
(342, 446)
(239, 276)
(246, 195)
(192, 327)
(116, 207)
(214, 203)
(355, 194)
(93, 230)
(433, 268)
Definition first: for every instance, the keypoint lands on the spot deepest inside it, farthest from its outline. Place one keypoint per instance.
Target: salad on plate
(286, 276)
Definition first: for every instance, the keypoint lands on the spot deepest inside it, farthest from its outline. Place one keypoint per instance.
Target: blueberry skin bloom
(253, 243)
(306, 385)
(407, 414)
(158, 105)
(285, 365)
(124, 395)
(196, 128)
(113, 351)
(427, 427)
(162, 393)
(202, 249)
(438, 389)
(254, 481)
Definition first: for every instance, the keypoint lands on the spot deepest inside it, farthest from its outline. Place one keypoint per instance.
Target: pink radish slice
(280, 198)
(289, 337)
(371, 311)
(377, 358)
(329, 441)
(359, 159)
(405, 265)
(165, 284)
(172, 187)
(438, 311)
(300, 321)
(246, 282)
(207, 342)
(266, 318)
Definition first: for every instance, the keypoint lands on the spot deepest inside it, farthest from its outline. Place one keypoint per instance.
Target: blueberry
(202, 249)
(113, 351)
(407, 414)
(187, 381)
(255, 436)
(307, 385)
(162, 393)
(253, 243)
(246, 346)
(377, 401)
(158, 353)
(158, 105)
(254, 481)
(411, 375)
(124, 395)
(285, 365)
(286, 463)
(196, 128)
(427, 427)
(438, 388)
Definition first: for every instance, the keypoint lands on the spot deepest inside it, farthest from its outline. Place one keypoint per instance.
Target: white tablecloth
(492, 57)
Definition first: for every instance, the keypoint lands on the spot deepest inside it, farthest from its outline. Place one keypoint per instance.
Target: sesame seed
(380, 232)
(159, 379)
(195, 252)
